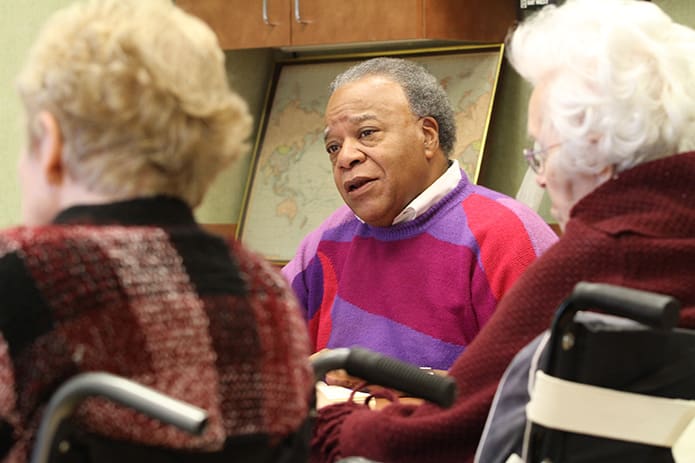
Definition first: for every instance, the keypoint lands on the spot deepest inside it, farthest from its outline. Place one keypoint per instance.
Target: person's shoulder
(16, 238)
(55, 240)
(256, 270)
(266, 284)
(503, 221)
(487, 206)
(485, 194)
(247, 258)
(337, 226)
(577, 251)
(338, 218)
(21, 248)
(341, 226)
(12, 240)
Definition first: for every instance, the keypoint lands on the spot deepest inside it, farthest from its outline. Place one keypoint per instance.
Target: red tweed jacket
(137, 289)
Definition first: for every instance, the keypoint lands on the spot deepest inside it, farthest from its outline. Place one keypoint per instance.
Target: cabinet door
(341, 21)
(244, 23)
(469, 20)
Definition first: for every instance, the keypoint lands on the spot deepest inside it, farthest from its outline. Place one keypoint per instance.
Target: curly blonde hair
(140, 92)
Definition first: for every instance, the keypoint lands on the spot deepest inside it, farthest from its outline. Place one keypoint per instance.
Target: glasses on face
(534, 156)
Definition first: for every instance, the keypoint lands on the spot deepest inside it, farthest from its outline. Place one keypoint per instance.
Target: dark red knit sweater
(636, 230)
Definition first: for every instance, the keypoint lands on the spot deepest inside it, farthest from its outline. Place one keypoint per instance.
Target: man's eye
(332, 148)
(367, 132)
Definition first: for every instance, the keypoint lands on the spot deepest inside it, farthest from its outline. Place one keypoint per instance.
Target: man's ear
(50, 149)
(430, 130)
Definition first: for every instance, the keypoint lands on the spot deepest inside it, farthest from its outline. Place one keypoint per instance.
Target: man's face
(377, 148)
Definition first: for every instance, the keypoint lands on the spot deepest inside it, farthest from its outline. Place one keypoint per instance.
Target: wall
(250, 71)
(19, 22)
(503, 167)
(682, 11)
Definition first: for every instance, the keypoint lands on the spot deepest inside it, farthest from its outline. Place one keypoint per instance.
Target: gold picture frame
(290, 190)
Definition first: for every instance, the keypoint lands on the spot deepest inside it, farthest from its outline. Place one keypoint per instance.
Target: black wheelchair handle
(379, 369)
(117, 389)
(652, 309)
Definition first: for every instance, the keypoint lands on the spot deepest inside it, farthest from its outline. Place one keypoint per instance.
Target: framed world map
(290, 188)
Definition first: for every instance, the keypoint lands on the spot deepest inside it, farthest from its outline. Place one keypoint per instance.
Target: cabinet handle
(298, 14)
(266, 19)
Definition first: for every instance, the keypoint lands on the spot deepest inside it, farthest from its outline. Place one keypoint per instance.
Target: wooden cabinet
(244, 23)
(277, 23)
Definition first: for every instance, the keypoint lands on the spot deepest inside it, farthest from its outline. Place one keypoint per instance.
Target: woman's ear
(430, 130)
(606, 174)
(50, 149)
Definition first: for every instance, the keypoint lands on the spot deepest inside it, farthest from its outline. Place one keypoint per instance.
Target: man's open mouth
(356, 183)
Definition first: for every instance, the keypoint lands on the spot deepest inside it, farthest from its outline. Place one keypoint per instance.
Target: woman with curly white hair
(130, 116)
(612, 114)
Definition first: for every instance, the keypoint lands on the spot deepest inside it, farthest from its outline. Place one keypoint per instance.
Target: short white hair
(140, 92)
(621, 80)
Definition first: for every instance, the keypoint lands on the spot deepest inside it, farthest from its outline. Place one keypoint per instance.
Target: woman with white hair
(612, 116)
(129, 117)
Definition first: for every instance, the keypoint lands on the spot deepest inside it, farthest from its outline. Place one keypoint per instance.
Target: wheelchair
(125, 392)
(617, 385)
(371, 366)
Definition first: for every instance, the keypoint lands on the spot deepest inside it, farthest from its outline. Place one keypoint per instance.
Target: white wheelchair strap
(580, 408)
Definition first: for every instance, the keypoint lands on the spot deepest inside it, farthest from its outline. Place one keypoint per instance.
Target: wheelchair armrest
(658, 311)
(386, 371)
(117, 389)
(652, 309)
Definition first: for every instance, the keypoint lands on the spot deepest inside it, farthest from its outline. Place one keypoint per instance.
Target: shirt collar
(144, 211)
(433, 193)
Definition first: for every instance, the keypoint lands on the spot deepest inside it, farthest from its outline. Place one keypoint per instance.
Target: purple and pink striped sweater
(421, 290)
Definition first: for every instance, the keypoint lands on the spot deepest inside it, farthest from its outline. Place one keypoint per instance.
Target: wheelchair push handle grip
(117, 389)
(653, 309)
(385, 371)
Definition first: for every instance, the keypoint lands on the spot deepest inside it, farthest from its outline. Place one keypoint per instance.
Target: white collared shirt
(432, 194)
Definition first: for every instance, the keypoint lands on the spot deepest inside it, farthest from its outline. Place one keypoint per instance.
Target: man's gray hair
(425, 94)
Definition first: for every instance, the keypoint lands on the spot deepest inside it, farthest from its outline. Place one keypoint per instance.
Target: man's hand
(338, 377)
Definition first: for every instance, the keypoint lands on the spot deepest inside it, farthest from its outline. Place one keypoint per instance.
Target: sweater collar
(147, 211)
(654, 199)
